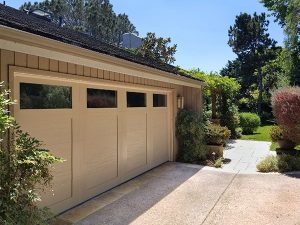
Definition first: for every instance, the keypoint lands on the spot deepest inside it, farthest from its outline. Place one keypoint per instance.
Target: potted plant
(277, 135)
(215, 137)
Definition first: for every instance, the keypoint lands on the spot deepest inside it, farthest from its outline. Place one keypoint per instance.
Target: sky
(198, 27)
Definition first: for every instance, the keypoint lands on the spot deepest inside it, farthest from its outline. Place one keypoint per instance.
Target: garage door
(107, 134)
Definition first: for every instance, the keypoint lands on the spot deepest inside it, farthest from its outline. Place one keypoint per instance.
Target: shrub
(230, 117)
(286, 109)
(190, 135)
(24, 171)
(276, 133)
(269, 164)
(216, 134)
(280, 163)
(249, 122)
(238, 132)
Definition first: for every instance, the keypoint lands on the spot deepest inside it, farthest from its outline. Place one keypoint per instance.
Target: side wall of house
(192, 96)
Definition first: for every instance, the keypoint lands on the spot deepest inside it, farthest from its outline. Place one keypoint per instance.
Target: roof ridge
(20, 20)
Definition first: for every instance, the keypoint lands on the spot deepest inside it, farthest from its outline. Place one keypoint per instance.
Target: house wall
(192, 96)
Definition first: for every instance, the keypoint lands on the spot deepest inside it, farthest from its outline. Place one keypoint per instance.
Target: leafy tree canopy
(287, 13)
(95, 17)
(157, 48)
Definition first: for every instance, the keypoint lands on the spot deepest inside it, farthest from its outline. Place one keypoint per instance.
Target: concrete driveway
(176, 193)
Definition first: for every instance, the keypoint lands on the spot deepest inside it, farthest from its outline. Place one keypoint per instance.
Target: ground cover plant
(24, 171)
(280, 163)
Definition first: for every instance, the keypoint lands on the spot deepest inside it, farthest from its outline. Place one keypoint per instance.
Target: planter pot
(286, 144)
(217, 149)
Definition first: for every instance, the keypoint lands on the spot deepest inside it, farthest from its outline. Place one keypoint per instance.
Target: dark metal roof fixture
(42, 14)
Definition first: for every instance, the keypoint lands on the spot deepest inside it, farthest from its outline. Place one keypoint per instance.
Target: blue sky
(198, 27)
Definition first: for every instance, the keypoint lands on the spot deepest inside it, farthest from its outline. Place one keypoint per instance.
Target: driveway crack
(219, 198)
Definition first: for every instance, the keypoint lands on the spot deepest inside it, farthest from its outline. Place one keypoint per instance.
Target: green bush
(216, 134)
(280, 163)
(276, 133)
(190, 135)
(229, 116)
(249, 122)
(24, 171)
(269, 164)
(238, 132)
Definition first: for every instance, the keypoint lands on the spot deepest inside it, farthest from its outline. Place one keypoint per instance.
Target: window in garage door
(100, 98)
(42, 96)
(136, 99)
(159, 100)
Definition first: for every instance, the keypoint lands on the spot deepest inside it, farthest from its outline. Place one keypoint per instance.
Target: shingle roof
(14, 18)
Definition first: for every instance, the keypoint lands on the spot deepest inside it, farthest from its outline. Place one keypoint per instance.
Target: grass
(275, 145)
(262, 134)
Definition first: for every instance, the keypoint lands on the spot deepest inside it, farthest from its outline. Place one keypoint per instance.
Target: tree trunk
(260, 89)
(213, 105)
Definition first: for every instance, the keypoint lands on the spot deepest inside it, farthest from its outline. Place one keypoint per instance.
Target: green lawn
(262, 134)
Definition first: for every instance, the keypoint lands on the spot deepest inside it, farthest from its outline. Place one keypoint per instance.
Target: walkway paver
(242, 155)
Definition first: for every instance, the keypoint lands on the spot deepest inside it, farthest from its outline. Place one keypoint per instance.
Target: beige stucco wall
(192, 96)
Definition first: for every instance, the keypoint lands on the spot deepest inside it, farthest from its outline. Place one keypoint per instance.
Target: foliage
(95, 17)
(24, 172)
(221, 93)
(157, 48)
(287, 14)
(261, 134)
(216, 134)
(190, 135)
(250, 40)
(280, 163)
(286, 109)
(276, 133)
(214, 83)
(238, 132)
(249, 122)
(229, 116)
(269, 164)
(217, 163)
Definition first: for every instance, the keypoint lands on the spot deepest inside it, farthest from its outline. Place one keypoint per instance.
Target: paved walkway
(185, 194)
(242, 156)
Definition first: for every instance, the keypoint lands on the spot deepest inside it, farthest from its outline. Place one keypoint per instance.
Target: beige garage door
(106, 133)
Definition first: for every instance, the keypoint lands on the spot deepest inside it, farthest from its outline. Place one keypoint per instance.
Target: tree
(287, 13)
(249, 39)
(123, 26)
(95, 17)
(157, 48)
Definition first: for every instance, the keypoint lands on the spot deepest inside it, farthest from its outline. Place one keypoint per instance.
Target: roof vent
(42, 14)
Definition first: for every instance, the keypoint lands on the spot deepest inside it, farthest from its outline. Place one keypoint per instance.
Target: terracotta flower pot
(286, 144)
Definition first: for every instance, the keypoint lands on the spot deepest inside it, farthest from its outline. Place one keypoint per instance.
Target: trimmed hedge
(249, 122)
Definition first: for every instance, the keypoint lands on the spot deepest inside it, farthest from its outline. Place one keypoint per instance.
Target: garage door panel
(55, 132)
(136, 139)
(160, 137)
(100, 149)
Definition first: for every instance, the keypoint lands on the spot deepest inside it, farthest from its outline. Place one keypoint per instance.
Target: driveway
(176, 193)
